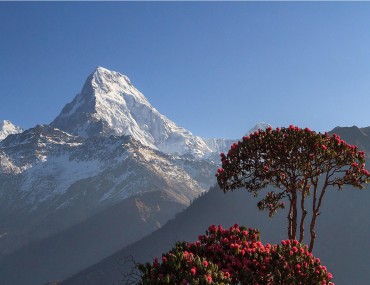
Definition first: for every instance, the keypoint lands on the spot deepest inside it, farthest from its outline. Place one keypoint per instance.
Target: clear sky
(215, 68)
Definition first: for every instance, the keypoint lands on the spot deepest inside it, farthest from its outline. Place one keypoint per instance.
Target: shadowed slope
(88, 242)
(342, 243)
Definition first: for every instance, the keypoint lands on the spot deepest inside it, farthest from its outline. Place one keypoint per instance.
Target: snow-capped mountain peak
(7, 128)
(111, 84)
(109, 104)
(259, 126)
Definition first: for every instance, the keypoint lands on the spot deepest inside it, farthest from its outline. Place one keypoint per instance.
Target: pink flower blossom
(193, 271)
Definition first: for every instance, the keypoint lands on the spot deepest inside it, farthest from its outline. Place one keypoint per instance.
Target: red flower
(208, 278)
(193, 271)
(224, 253)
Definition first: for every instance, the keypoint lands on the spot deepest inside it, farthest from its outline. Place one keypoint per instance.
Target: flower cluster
(272, 202)
(181, 266)
(236, 256)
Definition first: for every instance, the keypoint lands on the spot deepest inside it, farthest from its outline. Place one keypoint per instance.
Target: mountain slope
(355, 135)
(86, 243)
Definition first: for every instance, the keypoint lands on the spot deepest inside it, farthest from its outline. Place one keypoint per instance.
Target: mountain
(357, 136)
(107, 145)
(8, 128)
(109, 104)
(342, 243)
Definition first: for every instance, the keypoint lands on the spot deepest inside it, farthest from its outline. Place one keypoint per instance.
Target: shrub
(236, 256)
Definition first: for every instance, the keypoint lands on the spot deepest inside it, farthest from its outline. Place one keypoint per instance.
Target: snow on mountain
(259, 126)
(47, 173)
(109, 104)
(7, 128)
(219, 144)
(50, 161)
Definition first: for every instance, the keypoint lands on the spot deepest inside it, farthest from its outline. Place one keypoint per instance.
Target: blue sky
(215, 68)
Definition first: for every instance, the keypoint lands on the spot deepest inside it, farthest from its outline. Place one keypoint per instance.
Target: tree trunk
(304, 213)
(294, 221)
(315, 212)
(290, 219)
(313, 219)
(312, 231)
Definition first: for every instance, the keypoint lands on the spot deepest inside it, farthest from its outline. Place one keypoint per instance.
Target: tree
(297, 162)
(235, 256)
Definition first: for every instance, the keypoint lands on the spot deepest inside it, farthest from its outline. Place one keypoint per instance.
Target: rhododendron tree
(297, 162)
(236, 256)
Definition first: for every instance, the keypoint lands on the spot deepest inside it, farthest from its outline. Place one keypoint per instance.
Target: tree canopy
(297, 162)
